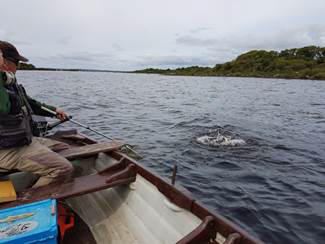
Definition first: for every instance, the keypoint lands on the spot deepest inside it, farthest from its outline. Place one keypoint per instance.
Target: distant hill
(299, 63)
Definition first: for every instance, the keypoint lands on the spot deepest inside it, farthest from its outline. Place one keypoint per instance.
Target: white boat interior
(137, 213)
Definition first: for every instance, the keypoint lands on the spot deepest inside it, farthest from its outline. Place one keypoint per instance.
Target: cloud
(196, 41)
(210, 50)
(117, 47)
(290, 38)
(283, 38)
(233, 44)
(276, 40)
(199, 29)
(84, 56)
(65, 40)
(75, 60)
(106, 34)
(3, 34)
(11, 37)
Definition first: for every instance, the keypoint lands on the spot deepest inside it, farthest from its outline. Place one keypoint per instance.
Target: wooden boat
(117, 200)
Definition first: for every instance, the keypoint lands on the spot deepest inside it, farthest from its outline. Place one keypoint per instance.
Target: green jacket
(34, 104)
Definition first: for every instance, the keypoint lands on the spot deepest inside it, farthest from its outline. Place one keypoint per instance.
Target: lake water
(272, 185)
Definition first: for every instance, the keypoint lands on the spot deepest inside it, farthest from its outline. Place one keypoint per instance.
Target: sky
(136, 34)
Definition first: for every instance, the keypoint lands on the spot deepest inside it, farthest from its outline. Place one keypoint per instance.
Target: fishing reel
(41, 127)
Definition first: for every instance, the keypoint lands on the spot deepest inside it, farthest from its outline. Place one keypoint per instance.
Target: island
(296, 63)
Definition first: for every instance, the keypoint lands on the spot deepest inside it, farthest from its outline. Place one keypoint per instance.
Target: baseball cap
(10, 52)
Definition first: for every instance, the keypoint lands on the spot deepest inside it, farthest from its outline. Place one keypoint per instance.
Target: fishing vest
(15, 127)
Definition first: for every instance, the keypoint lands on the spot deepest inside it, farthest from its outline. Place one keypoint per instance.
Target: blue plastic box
(35, 223)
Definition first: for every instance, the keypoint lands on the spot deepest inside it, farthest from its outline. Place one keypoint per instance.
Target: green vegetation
(297, 63)
(24, 66)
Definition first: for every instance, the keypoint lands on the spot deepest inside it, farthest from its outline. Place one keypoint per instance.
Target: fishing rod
(88, 128)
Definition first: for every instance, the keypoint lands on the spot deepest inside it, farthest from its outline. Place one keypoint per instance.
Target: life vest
(15, 127)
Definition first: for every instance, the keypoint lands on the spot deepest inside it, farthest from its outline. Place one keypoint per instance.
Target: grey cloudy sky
(134, 34)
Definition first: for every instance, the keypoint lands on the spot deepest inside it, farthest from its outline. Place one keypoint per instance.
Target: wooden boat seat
(120, 173)
(89, 150)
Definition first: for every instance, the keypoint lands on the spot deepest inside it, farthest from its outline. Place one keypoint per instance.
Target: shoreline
(186, 75)
(234, 76)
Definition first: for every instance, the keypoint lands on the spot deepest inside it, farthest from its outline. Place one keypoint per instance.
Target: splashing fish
(220, 140)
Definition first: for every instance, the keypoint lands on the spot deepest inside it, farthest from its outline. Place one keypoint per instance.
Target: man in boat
(19, 150)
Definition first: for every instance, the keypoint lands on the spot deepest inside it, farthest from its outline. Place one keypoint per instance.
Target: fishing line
(127, 146)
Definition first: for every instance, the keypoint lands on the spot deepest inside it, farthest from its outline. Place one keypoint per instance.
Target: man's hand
(61, 115)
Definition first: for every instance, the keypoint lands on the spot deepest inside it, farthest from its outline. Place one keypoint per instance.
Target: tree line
(296, 63)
